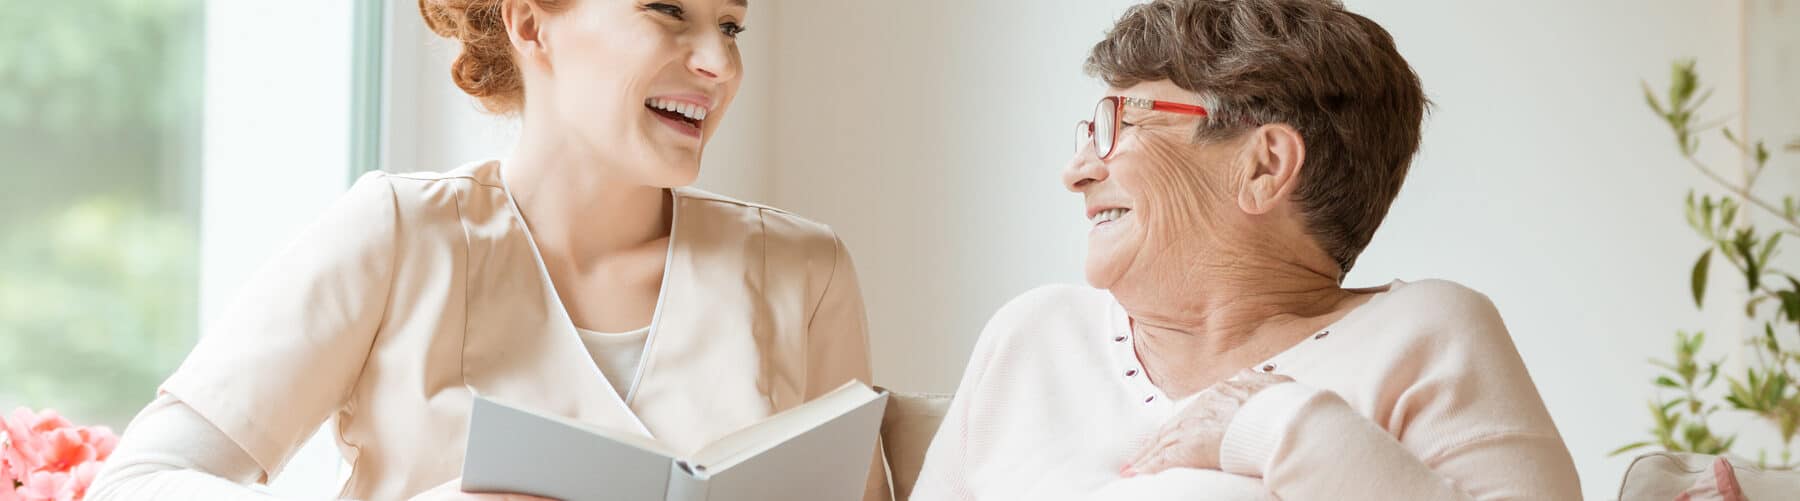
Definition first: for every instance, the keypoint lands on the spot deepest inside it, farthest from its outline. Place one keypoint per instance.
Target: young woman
(578, 277)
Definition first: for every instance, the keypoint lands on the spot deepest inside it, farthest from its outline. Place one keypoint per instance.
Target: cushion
(906, 430)
(1667, 475)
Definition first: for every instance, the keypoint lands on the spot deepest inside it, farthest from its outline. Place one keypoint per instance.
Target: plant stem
(1743, 192)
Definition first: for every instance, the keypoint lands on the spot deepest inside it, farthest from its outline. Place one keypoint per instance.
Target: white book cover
(820, 450)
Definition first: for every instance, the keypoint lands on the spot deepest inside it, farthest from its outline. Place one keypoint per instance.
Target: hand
(452, 491)
(1192, 438)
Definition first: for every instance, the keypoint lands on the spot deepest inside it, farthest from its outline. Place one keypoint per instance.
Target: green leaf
(1740, 395)
(1733, 138)
(1712, 373)
(1790, 300)
(1725, 446)
(1750, 306)
(1665, 381)
(1768, 248)
(1707, 210)
(1630, 446)
(1682, 82)
(1699, 101)
(1762, 154)
(1693, 215)
(1699, 278)
(1772, 389)
(1650, 99)
(1664, 408)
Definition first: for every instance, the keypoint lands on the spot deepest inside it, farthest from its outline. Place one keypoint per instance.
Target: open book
(820, 450)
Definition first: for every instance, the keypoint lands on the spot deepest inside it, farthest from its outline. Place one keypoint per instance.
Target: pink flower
(102, 439)
(20, 454)
(64, 450)
(48, 458)
(8, 489)
(48, 486)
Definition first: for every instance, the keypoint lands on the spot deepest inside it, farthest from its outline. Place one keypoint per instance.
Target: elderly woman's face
(1152, 202)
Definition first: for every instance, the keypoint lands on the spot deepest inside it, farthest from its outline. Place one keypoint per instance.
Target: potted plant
(1741, 229)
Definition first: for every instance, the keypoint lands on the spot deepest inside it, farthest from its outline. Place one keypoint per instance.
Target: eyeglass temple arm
(1151, 104)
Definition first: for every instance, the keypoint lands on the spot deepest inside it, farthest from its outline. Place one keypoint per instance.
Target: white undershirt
(617, 355)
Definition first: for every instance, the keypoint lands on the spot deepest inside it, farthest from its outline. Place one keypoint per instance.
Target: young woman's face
(643, 83)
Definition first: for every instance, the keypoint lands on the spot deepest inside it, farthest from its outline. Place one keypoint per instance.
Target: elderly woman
(1244, 155)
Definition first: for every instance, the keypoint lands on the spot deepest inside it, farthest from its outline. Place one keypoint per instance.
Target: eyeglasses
(1103, 130)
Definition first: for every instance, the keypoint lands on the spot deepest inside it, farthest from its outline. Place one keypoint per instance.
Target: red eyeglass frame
(1119, 103)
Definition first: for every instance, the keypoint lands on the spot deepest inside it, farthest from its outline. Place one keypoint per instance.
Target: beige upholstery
(1661, 476)
(906, 431)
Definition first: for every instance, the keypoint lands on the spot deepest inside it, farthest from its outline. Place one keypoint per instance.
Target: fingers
(1232, 389)
(1157, 464)
(1257, 379)
(1172, 455)
(1144, 454)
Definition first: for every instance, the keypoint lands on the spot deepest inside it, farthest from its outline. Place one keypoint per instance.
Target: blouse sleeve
(1467, 422)
(1289, 432)
(169, 452)
(285, 355)
(838, 349)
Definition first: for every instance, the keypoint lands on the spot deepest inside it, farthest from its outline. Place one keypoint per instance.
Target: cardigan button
(1268, 368)
(1149, 398)
(1322, 334)
(1119, 339)
(1130, 372)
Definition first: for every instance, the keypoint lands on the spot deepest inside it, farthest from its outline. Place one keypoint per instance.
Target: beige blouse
(416, 292)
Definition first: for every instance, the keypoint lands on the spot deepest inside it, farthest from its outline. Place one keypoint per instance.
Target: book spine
(685, 484)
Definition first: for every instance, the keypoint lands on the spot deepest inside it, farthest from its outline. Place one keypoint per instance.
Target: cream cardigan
(416, 292)
(1417, 394)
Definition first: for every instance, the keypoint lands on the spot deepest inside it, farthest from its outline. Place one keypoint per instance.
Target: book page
(517, 451)
(765, 434)
(828, 462)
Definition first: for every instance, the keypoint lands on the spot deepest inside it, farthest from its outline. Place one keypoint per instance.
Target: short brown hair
(1331, 74)
(485, 68)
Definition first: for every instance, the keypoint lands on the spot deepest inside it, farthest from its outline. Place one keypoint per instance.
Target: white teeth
(1109, 215)
(690, 110)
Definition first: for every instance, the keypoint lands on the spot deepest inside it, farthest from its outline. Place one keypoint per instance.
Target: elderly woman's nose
(1083, 169)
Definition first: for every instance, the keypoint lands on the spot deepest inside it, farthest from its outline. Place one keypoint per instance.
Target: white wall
(930, 134)
(274, 153)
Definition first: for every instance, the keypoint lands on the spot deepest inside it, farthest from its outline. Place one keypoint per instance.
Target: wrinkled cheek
(1176, 198)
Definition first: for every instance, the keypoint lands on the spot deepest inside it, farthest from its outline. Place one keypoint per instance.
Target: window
(155, 153)
(100, 127)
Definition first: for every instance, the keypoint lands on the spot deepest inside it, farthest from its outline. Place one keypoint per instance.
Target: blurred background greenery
(100, 118)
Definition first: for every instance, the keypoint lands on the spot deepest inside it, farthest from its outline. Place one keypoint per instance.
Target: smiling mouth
(1109, 215)
(687, 113)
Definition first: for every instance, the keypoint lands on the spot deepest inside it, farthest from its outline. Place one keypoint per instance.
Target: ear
(525, 27)
(1272, 162)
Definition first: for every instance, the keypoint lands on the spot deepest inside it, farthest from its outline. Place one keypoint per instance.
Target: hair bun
(485, 68)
